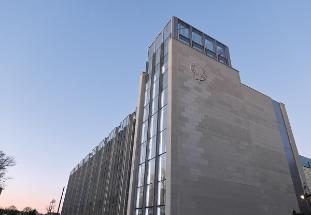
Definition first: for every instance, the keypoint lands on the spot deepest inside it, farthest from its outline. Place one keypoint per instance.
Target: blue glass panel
(197, 37)
(289, 155)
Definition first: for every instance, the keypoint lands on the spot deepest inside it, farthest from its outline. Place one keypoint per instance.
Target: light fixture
(302, 196)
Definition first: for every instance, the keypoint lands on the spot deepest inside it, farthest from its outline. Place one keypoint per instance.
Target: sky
(69, 74)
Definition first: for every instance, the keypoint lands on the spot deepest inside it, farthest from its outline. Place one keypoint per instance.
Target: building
(205, 143)
(306, 163)
(99, 183)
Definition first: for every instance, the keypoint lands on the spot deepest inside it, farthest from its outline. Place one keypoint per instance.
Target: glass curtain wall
(151, 183)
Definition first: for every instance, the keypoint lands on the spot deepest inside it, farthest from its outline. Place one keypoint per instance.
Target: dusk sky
(69, 74)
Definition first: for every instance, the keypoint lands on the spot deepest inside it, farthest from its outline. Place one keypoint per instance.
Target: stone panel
(226, 152)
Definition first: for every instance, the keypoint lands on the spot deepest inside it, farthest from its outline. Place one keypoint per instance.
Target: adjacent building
(306, 163)
(99, 183)
(203, 142)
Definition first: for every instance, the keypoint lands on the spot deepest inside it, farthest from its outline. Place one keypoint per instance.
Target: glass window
(146, 113)
(154, 105)
(143, 152)
(220, 50)
(163, 101)
(197, 37)
(151, 51)
(151, 171)
(148, 81)
(209, 44)
(167, 31)
(161, 210)
(162, 167)
(147, 97)
(141, 174)
(163, 118)
(139, 199)
(183, 32)
(149, 195)
(144, 132)
(158, 41)
(165, 80)
(153, 125)
(163, 142)
(165, 63)
(155, 89)
(156, 72)
(209, 47)
(166, 47)
(221, 53)
(158, 56)
(139, 212)
(152, 147)
(149, 65)
(149, 211)
(161, 193)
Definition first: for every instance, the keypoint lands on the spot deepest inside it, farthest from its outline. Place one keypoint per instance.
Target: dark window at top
(220, 50)
(183, 32)
(221, 53)
(197, 42)
(210, 47)
(197, 37)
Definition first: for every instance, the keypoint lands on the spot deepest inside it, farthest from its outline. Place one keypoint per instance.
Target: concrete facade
(226, 150)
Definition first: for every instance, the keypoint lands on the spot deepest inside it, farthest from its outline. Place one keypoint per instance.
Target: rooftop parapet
(191, 36)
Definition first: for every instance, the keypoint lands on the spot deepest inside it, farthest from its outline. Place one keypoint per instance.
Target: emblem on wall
(198, 74)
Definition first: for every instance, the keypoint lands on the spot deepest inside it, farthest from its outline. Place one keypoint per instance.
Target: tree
(27, 209)
(12, 208)
(51, 207)
(5, 162)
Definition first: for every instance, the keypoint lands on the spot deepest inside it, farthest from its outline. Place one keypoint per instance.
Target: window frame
(208, 51)
(196, 44)
(182, 37)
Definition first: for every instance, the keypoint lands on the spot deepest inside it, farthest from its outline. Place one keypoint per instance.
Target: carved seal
(198, 74)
